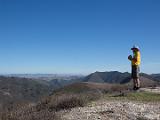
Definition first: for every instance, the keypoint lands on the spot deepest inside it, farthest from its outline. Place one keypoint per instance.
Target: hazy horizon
(60, 73)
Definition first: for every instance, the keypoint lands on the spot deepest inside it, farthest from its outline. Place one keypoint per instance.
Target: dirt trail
(104, 109)
(115, 110)
(150, 89)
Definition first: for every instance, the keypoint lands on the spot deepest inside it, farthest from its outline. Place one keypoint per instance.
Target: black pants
(135, 71)
(135, 76)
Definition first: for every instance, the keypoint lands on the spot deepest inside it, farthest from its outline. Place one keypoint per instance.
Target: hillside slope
(156, 77)
(16, 90)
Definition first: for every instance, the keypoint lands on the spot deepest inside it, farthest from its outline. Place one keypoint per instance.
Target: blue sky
(78, 36)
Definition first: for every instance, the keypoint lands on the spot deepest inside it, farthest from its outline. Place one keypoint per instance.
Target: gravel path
(154, 90)
(115, 110)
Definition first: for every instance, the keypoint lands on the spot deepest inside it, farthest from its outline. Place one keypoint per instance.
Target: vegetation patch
(135, 96)
(47, 108)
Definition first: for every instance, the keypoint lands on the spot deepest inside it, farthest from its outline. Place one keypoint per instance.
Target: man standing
(135, 61)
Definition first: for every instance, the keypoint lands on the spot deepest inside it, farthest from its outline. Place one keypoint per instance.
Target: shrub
(68, 101)
(47, 109)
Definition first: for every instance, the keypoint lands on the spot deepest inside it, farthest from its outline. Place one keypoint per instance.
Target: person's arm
(134, 59)
(130, 57)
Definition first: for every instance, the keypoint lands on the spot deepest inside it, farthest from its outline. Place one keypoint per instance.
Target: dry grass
(75, 95)
(48, 108)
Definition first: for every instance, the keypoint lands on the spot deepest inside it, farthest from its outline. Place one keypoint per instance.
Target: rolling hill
(115, 77)
(156, 77)
(16, 90)
(107, 77)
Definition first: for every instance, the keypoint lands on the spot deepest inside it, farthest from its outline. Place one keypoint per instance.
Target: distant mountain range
(47, 77)
(108, 82)
(104, 80)
(116, 77)
(16, 89)
(109, 77)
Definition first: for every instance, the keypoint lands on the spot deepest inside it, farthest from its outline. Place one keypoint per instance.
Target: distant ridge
(156, 77)
(115, 77)
(108, 77)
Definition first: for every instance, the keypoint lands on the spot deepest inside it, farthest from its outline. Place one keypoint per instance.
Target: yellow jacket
(136, 60)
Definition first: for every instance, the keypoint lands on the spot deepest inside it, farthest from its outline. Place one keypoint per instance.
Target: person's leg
(134, 84)
(138, 83)
(134, 77)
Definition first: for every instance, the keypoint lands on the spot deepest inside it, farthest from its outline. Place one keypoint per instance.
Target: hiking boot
(134, 88)
(137, 88)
